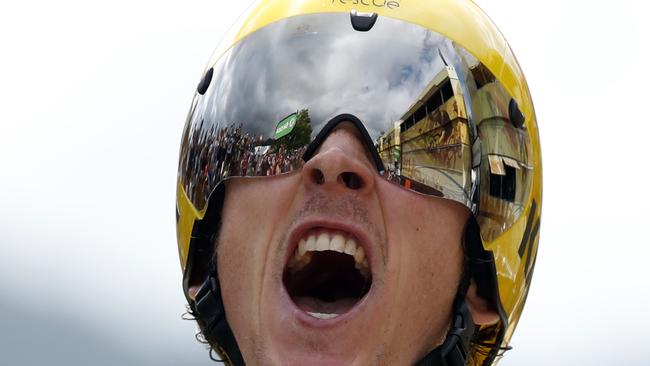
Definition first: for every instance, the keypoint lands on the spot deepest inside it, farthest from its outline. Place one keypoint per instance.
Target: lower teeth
(322, 315)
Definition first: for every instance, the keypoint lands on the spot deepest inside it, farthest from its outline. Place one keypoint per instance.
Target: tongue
(314, 305)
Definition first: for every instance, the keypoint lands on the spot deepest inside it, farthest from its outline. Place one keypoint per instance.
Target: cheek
(235, 260)
(248, 233)
(434, 235)
(426, 233)
(431, 262)
(253, 216)
(425, 261)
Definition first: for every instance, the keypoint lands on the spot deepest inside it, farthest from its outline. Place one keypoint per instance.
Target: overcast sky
(93, 97)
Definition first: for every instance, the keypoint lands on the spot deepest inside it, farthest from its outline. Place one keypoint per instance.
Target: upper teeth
(323, 240)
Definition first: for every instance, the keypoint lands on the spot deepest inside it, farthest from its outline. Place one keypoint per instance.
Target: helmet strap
(209, 307)
(453, 352)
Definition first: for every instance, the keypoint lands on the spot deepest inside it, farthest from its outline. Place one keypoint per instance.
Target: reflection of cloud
(317, 62)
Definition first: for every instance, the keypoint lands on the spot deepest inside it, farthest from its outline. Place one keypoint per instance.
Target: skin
(413, 245)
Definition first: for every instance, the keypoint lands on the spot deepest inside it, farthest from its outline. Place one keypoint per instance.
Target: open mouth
(328, 274)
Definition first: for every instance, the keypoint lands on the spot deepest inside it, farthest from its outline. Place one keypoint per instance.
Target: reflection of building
(430, 149)
(433, 140)
(506, 156)
(389, 149)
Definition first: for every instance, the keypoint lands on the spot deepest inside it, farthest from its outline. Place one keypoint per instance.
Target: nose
(341, 163)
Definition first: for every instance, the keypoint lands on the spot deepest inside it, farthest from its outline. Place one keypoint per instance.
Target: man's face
(292, 297)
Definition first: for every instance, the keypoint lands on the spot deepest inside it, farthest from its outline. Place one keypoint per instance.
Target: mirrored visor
(438, 119)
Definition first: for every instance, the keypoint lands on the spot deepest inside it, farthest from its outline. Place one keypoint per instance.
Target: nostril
(351, 180)
(318, 176)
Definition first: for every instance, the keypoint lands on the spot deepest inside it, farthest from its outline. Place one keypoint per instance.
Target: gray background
(93, 97)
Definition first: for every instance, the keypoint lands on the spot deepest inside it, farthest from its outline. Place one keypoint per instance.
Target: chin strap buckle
(208, 302)
(455, 350)
(210, 309)
(209, 306)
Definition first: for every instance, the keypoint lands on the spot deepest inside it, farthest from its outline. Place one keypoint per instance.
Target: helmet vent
(362, 22)
(205, 82)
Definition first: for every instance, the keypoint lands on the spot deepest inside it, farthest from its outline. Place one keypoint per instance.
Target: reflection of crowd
(210, 154)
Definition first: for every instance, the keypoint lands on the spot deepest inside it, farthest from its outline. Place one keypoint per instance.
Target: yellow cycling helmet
(441, 102)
